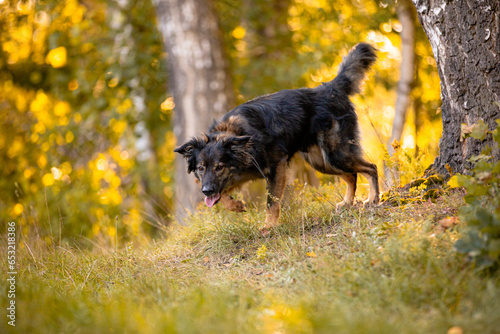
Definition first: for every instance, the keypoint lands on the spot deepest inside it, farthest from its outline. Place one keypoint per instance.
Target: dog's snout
(207, 190)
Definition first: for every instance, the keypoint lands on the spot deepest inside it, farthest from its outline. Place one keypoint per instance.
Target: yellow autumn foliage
(57, 57)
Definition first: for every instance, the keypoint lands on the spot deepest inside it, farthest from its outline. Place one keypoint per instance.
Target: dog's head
(217, 161)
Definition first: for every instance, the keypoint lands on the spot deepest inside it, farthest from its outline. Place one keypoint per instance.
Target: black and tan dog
(258, 138)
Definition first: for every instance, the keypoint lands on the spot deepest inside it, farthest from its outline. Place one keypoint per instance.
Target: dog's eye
(201, 168)
(219, 168)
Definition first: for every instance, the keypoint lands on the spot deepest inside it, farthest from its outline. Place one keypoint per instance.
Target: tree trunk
(406, 79)
(407, 72)
(464, 36)
(199, 77)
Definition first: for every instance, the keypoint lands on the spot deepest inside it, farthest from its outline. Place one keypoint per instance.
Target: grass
(379, 270)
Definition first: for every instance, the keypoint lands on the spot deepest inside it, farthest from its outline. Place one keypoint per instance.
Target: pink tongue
(210, 200)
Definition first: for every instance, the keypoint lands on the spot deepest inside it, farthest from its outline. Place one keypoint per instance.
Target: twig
(60, 223)
(47, 205)
(116, 243)
(88, 274)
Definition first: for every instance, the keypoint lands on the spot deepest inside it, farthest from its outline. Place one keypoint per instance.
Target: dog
(258, 138)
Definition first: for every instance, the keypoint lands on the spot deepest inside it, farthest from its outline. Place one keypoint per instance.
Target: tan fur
(276, 190)
(315, 157)
(373, 195)
(350, 180)
(370, 172)
(231, 204)
(232, 125)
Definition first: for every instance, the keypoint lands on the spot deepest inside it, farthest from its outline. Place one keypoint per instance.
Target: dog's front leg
(276, 187)
(231, 204)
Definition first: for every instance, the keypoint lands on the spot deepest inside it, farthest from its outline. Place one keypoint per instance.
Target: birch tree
(199, 80)
(464, 37)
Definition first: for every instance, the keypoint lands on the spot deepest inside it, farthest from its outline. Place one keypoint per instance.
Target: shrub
(481, 243)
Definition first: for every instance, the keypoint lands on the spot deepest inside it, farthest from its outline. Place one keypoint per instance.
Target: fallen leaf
(453, 182)
(448, 222)
(311, 254)
(395, 145)
(206, 259)
(455, 330)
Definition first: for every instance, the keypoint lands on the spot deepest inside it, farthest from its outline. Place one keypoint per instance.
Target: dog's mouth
(212, 200)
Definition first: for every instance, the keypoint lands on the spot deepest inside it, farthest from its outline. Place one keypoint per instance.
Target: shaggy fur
(258, 138)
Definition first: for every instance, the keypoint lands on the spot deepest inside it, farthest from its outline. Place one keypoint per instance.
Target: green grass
(379, 270)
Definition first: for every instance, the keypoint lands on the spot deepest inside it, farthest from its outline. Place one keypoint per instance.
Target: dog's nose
(207, 190)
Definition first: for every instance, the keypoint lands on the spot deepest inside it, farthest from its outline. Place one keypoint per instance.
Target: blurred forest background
(86, 135)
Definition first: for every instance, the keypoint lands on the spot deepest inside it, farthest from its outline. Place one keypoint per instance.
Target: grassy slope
(381, 270)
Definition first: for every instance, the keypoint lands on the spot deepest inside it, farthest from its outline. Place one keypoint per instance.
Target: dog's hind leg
(369, 170)
(231, 204)
(276, 187)
(347, 164)
(350, 180)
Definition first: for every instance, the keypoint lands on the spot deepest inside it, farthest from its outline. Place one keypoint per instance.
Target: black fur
(253, 139)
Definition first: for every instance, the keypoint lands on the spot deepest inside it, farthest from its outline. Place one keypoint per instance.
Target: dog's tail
(353, 68)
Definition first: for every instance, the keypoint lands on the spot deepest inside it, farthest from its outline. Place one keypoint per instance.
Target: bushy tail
(353, 68)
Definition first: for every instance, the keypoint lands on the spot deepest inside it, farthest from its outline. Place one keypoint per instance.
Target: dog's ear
(236, 143)
(190, 150)
(240, 148)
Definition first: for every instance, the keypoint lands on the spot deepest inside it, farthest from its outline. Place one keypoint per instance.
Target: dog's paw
(271, 222)
(265, 232)
(369, 203)
(232, 204)
(238, 206)
(342, 205)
